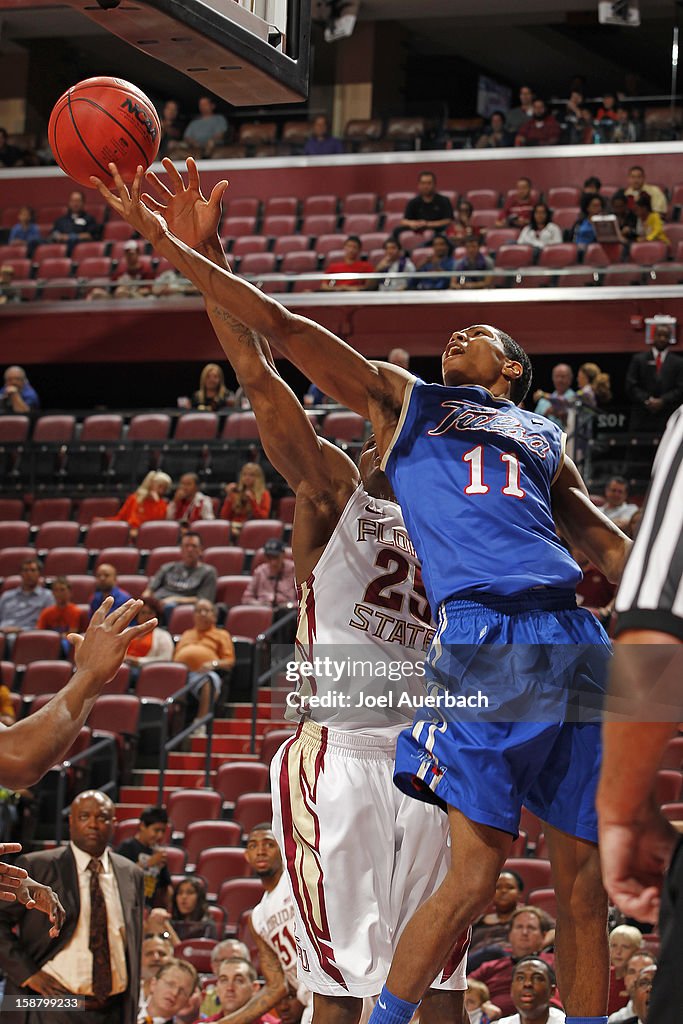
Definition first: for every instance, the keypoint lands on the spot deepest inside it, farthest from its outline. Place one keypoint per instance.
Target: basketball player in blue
(482, 484)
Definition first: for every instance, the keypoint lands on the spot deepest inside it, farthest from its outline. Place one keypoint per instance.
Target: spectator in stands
(637, 185)
(624, 941)
(207, 651)
(462, 226)
(63, 616)
(572, 114)
(169, 284)
(190, 910)
(208, 130)
(474, 270)
(519, 116)
(591, 187)
(533, 986)
(25, 230)
(594, 386)
(145, 504)
(156, 950)
(228, 949)
(17, 395)
(7, 716)
(607, 111)
(493, 927)
(442, 259)
(642, 990)
(8, 290)
(617, 507)
(541, 129)
(352, 263)
(146, 849)
(212, 394)
(321, 141)
(158, 925)
(634, 965)
(156, 646)
(131, 271)
(495, 135)
(236, 984)
(399, 357)
(654, 383)
(650, 226)
(10, 156)
(627, 222)
(186, 581)
(540, 231)
(583, 232)
(314, 396)
(556, 404)
(247, 499)
(171, 127)
(428, 210)
(169, 990)
(272, 582)
(76, 225)
(20, 607)
(107, 586)
(624, 129)
(518, 207)
(526, 938)
(477, 1002)
(395, 261)
(583, 131)
(189, 505)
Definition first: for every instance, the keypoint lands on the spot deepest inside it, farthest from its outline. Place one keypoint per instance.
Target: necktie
(99, 935)
(658, 362)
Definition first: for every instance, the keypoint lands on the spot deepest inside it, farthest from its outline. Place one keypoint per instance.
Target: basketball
(99, 121)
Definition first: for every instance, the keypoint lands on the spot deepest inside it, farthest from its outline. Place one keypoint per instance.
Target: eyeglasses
(645, 983)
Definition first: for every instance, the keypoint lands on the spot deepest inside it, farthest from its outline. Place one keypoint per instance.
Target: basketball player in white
(360, 856)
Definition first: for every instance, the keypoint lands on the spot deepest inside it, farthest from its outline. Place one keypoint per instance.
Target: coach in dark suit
(654, 384)
(97, 953)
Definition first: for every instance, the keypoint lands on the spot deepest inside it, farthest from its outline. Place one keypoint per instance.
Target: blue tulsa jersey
(472, 474)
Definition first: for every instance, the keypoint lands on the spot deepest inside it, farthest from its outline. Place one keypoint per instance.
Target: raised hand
(103, 647)
(129, 205)
(11, 877)
(190, 216)
(36, 896)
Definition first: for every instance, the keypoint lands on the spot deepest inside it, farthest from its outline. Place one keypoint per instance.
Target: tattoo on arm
(244, 334)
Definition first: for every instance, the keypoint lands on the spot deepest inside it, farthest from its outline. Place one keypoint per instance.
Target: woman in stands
(212, 394)
(145, 504)
(156, 646)
(190, 912)
(25, 230)
(594, 391)
(650, 227)
(462, 228)
(583, 233)
(540, 231)
(492, 928)
(247, 499)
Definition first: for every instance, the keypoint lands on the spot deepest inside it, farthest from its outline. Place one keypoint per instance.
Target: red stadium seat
(646, 253)
(221, 863)
(13, 251)
(88, 250)
(566, 218)
(300, 263)
(149, 426)
(196, 952)
(213, 532)
(514, 256)
(290, 243)
(260, 556)
(161, 679)
(51, 267)
(118, 716)
(46, 510)
(252, 809)
(236, 896)
(285, 509)
(247, 245)
(238, 777)
(157, 533)
(125, 829)
(619, 275)
(500, 236)
(7, 673)
(319, 204)
(120, 683)
(227, 561)
(243, 206)
(230, 589)
(256, 532)
(63, 561)
(562, 255)
(102, 427)
(82, 587)
(11, 559)
(106, 535)
(665, 273)
(359, 223)
(256, 263)
(248, 621)
(483, 198)
(196, 426)
(206, 835)
(46, 676)
(672, 812)
(36, 645)
(56, 534)
(181, 619)
(94, 266)
(240, 426)
(21, 268)
(271, 743)
(49, 250)
(317, 224)
(159, 557)
(327, 243)
(545, 900)
(534, 873)
(59, 429)
(14, 534)
(89, 508)
(485, 219)
(275, 226)
(281, 206)
(187, 805)
(595, 256)
(11, 508)
(13, 429)
(563, 196)
(359, 202)
(344, 426)
(396, 202)
(124, 560)
(579, 277)
(116, 231)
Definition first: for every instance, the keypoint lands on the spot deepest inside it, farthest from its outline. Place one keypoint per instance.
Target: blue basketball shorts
(516, 685)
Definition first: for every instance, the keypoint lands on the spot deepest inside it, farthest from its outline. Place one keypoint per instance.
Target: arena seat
(90, 508)
(51, 250)
(120, 683)
(562, 197)
(300, 263)
(36, 645)
(285, 509)
(281, 206)
(534, 873)
(64, 561)
(247, 622)
(277, 225)
(21, 267)
(11, 508)
(161, 679)
(238, 227)
(45, 676)
(221, 863)
(160, 556)
(500, 236)
(323, 204)
(290, 243)
(181, 619)
(14, 534)
(485, 219)
(665, 273)
(196, 426)
(56, 534)
(227, 561)
(237, 777)
(271, 743)
(82, 587)
(44, 510)
(11, 559)
(619, 275)
(242, 206)
(327, 243)
(13, 429)
(196, 952)
(251, 809)
(483, 198)
(240, 426)
(54, 429)
(157, 533)
(107, 535)
(360, 223)
(133, 583)
(315, 224)
(256, 532)
(94, 267)
(13, 251)
(118, 716)
(247, 245)
(566, 218)
(230, 589)
(206, 835)
(545, 900)
(645, 253)
(561, 255)
(673, 755)
(124, 560)
(236, 896)
(117, 231)
(344, 426)
(255, 263)
(102, 427)
(186, 805)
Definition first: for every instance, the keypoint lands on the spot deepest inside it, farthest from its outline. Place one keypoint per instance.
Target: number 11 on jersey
(475, 458)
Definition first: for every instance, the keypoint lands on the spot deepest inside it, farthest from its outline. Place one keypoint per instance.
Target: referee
(637, 844)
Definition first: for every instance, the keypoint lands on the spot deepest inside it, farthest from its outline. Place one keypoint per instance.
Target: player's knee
(336, 1009)
(580, 893)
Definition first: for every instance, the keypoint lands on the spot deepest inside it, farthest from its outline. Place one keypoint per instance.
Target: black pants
(666, 1004)
(111, 1014)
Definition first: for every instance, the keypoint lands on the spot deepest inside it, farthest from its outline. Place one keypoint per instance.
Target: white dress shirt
(72, 965)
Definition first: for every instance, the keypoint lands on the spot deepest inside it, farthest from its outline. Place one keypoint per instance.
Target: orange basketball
(101, 120)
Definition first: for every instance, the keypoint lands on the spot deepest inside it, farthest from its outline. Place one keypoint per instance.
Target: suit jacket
(643, 381)
(24, 953)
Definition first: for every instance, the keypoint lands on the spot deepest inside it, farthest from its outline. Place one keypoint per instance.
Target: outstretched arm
(32, 746)
(373, 390)
(274, 989)
(584, 526)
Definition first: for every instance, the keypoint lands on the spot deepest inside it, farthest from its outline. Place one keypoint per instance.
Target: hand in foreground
(103, 647)
(190, 216)
(36, 896)
(45, 985)
(11, 877)
(635, 856)
(129, 205)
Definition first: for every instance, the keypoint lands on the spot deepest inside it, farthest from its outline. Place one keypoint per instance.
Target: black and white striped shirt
(651, 592)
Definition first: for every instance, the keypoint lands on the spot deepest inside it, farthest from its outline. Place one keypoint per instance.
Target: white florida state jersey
(364, 625)
(273, 920)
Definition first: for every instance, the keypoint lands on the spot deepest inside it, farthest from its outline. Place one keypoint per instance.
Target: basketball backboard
(250, 53)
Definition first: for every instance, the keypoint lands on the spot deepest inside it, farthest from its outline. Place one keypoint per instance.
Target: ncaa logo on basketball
(142, 116)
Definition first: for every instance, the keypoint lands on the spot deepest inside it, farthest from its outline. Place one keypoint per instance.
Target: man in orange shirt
(63, 616)
(206, 650)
